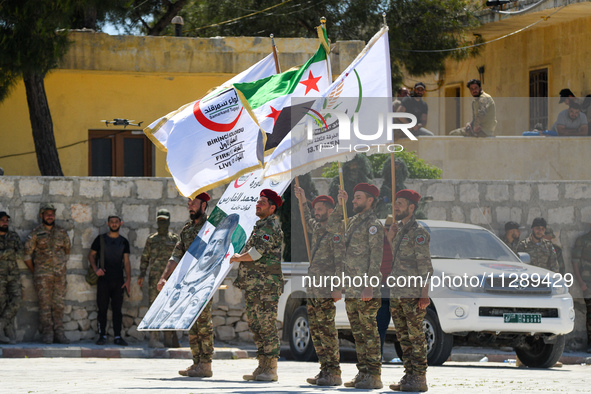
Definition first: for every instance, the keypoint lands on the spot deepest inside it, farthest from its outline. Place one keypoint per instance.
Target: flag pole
(392, 159)
(343, 188)
(303, 217)
(277, 67)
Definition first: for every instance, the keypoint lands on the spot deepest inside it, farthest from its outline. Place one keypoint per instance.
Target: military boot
(154, 340)
(370, 382)
(258, 370)
(185, 372)
(315, 379)
(48, 337)
(358, 378)
(203, 370)
(269, 373)
(416, 383)
(3, 338)
(403, 380)
(60, 337)
(330, 379)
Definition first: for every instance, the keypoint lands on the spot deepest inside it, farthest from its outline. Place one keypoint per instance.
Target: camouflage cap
(47, 207)
(163, 214)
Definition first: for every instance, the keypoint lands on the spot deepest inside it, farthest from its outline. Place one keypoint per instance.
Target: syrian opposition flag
(270, 98)
(349, 117)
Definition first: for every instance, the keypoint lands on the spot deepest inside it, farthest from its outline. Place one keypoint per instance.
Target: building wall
(83, 204)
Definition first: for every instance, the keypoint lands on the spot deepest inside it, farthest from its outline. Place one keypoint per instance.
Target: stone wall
(83, 205)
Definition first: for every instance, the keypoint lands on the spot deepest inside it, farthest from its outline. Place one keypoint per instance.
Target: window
(538, 98)
(119, 153)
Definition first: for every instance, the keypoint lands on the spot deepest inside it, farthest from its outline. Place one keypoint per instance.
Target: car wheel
(536, 353)
(439, 344)
(300, 341)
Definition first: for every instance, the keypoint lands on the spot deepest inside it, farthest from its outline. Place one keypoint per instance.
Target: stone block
(87, 236)
(71, 325)
(81, 213)
(437, 213)
(134, 333)
(586, 214)
(120, 188)
(577, 191)
(78, 290)
(497, 192)
(104, 209)
(233, 295)
(521, 192)
(533, 213)
(171, 190)
(241, 326)
(235, 312)
(29, 187)
(88, 334)
(441, 192)
(562, 215)
(84, 324)
(480, 215)
(223, 308)
(31, 211)
(61, 188)
(137, 321)
(29, 294)
(127, 321)
(231, 320)
(469, 192)
(217, 312)
(79, 314)
(66, 318)
(142, 311)
(218, 321)
(6, 187)
(141, 235)
(77, 262)
(457, 215)
(67, 309)
(149, 189)
(92, 315)
(134, 213)
(91, 188)
(225, 333)
(245, 336)
(503, 215)
(178, 213)
(548, 192)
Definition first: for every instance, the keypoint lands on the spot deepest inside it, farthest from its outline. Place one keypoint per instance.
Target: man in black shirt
(111, 283)
(415, 105)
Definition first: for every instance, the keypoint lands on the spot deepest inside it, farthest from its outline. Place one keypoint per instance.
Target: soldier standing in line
(581, 258)
(260, 276)
(158, 249)
(540, 250)
(11, 293)
(408, 304)
(512, 234)
(46, 255)
(201, 332)
(320, 304)
(549, 236)
(363, 252)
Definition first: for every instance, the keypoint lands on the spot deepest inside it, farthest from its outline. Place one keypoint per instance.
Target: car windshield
(472, 244)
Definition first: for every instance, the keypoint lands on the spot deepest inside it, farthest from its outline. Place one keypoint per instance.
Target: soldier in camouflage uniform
(581, 258)
(46, 254)
(11, 250)
(484, 118)
(512, 234)
(408, 304)
(541, 251)
(321, 308)
(201, 333)
(549, 236)
(158, 249)
(363, 244)
(260, 276)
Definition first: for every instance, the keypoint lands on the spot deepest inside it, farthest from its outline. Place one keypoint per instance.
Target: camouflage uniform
(262, 281)
(321, 308)
(511, 245)
(411, 258)
(11, 250)
(156, 254)
(49, 250)
(201, 333)
(362, 245)
(483, 115)
(581, 257)
(542, 253)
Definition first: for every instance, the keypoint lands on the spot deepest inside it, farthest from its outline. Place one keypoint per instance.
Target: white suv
(481, 293)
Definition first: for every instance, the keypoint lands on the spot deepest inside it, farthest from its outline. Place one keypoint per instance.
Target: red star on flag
(227, 254)
(206, 231)
(311, 83)
(274, 114)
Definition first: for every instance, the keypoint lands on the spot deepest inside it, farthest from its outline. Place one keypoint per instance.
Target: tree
(32, 40)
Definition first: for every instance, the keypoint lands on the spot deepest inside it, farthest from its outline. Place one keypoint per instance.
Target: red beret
(366, 187)
(271, 195)
(410, 195)
(323, 198)
(204, 197)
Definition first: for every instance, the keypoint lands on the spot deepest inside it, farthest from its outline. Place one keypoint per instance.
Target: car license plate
(522, 317)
